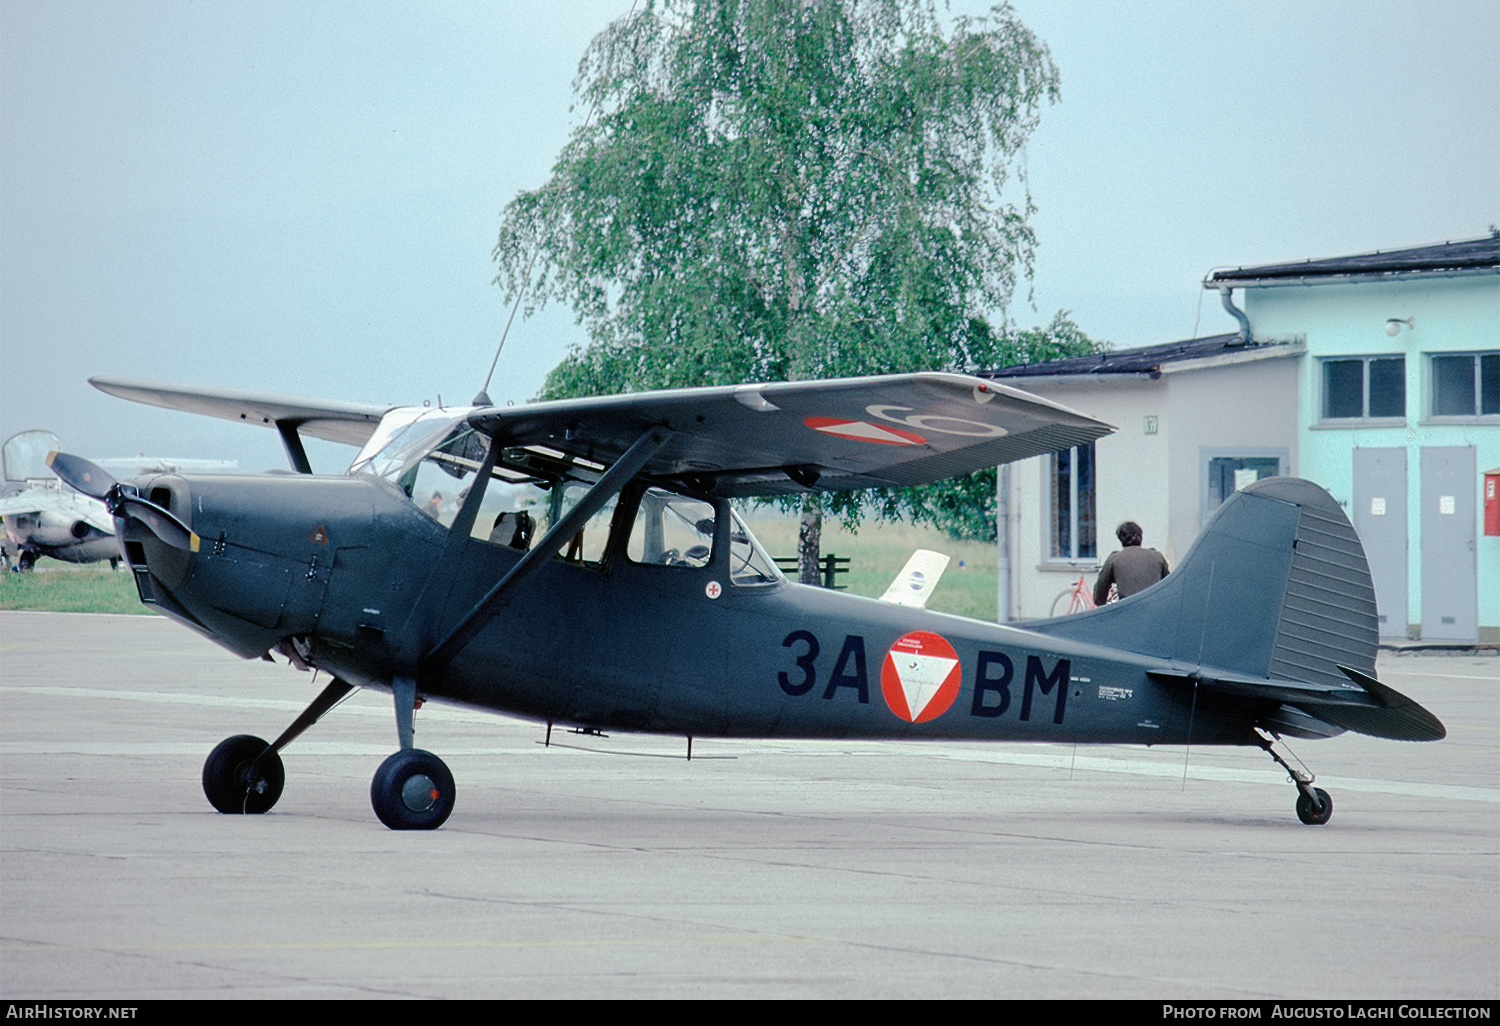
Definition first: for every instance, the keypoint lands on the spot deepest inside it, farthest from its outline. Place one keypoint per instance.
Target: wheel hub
(419, 793)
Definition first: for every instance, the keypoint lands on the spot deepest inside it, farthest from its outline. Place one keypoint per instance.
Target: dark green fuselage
(347, 573)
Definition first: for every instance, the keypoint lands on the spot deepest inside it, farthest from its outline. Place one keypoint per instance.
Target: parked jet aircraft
(580, 563)
(43, 518)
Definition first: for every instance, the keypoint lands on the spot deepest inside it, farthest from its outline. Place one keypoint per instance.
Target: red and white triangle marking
(921, 676)
(864, 431)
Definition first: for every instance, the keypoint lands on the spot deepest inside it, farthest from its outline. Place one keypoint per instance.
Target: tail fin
(913, 586)
(1276, 587)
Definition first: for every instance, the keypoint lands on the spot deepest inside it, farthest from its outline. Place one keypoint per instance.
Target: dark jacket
(1130, 570)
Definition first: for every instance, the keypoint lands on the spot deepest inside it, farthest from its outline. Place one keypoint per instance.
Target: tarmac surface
(758, 869)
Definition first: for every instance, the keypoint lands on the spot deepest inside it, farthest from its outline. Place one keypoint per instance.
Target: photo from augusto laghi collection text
(1327, 1010)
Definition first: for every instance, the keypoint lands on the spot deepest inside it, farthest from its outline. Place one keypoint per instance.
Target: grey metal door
(1450, 570)
(1380, 518)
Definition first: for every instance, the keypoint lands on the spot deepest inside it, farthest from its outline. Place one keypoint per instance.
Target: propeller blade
(87, 478)
(161, 523)
(80, 475)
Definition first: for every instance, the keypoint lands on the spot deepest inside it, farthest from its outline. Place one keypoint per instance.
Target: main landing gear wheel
(412, 790)
(243, 776)
(1315, 813)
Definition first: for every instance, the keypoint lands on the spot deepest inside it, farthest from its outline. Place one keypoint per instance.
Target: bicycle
(1079, 599)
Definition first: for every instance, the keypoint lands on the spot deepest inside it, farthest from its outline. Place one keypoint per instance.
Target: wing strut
(292, 442)
(607, 487)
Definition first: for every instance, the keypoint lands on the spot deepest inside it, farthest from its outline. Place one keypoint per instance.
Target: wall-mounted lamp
(1393, 325)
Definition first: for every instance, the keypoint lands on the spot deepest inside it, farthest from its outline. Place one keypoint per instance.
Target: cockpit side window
(513, 514)
(590, 544)
(434, 457)
(672, 530)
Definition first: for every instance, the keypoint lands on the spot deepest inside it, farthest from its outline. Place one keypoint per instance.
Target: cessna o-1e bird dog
(579, 563)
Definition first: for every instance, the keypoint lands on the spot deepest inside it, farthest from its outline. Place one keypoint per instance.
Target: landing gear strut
(1314, 806)
(412, 790)
(244, 776)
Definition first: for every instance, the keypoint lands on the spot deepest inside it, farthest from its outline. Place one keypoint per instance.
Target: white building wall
(1246, 408)
(1151, 469)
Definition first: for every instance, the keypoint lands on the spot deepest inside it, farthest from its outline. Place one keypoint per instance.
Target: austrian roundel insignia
(921, 676)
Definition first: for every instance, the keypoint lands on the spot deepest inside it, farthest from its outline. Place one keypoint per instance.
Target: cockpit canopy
(433, 456)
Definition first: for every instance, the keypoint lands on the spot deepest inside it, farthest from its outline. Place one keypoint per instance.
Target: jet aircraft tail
(1273, 610)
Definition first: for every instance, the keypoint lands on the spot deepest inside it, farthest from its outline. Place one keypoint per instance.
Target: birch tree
(768, 190)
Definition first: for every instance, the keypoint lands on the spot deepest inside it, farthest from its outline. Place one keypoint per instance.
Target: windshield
(749, 564)
(407, 445)
(433, 456)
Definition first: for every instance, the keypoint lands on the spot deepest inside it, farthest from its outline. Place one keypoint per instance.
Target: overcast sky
(303, 196)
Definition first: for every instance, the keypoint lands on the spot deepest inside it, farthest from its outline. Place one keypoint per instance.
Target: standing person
(1132, 569)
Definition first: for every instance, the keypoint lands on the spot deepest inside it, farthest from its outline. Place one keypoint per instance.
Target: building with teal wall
(1398, 415)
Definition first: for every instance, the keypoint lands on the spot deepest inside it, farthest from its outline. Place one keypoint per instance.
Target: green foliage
(775, 190)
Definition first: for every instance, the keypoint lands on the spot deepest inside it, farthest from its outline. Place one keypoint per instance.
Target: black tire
(412, 790)
(1315, 814)
(229, 784)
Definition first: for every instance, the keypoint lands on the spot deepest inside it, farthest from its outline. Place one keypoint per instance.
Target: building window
(1225, 473)
(1466, 385)
(1364, 388)
(1074, 528)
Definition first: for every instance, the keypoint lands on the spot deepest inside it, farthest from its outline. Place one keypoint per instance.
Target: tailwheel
(412, 790)
(1315, 809)
(243, 776)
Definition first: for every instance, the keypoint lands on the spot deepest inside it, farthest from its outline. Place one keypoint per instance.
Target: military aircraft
(581, 563)
(41, 517)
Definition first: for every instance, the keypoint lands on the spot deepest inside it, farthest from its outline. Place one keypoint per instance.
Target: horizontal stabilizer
(1399, 718)
(1365, 706)
(913, 586)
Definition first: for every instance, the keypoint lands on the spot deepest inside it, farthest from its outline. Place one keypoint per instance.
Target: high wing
(349, 423)
(788, 437)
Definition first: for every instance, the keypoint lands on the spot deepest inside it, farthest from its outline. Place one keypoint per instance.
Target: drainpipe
(1226, 296)
(1002, 540)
